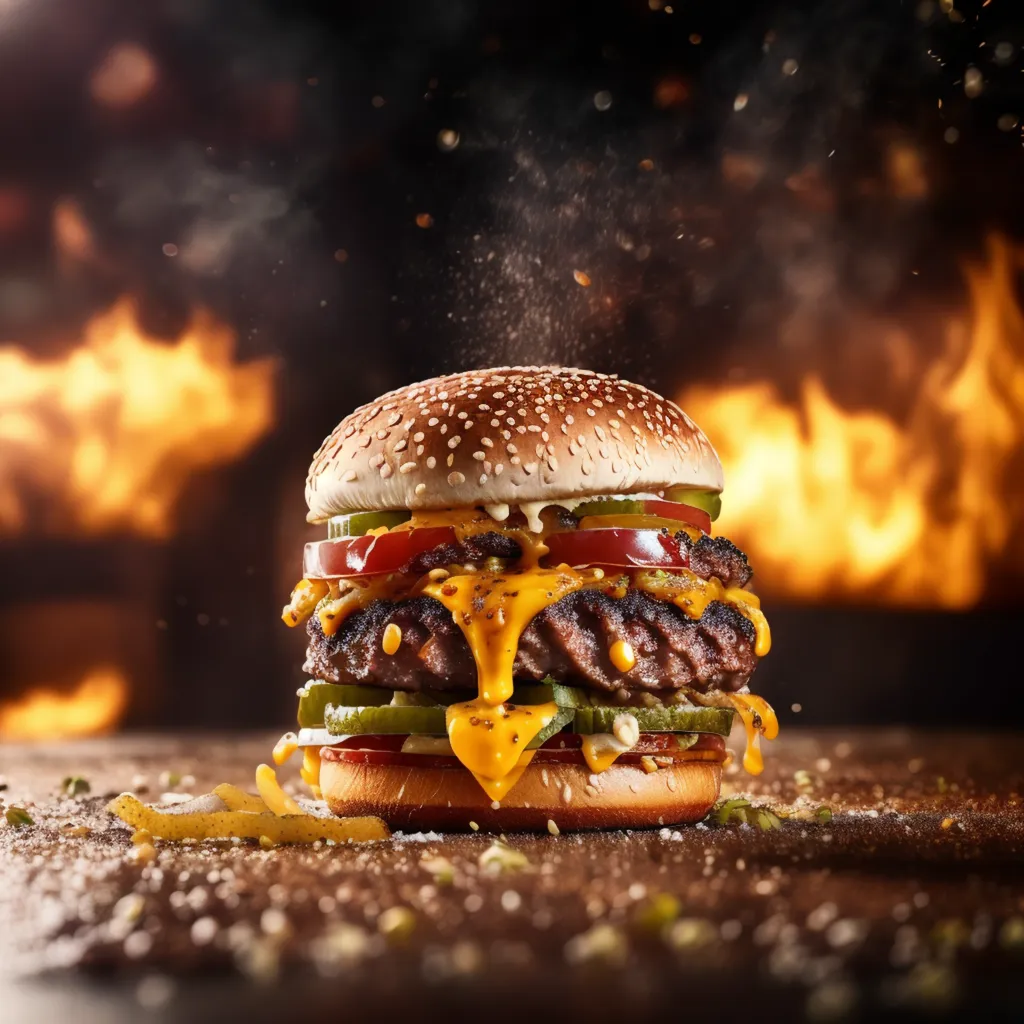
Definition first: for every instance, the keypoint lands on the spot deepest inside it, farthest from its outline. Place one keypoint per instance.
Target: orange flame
(108, 435)
(829, 502)
(94, 707)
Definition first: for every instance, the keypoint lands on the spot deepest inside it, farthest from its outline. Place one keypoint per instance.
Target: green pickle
(709, 501)
(556, 725)
(348, 721)
(610, 507)
(355, 524)
(664, 719)
(316, 696)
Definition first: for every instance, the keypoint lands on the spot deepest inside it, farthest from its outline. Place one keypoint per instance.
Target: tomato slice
(367, 555)
(680, 512)
(651, 549)
(562, 748)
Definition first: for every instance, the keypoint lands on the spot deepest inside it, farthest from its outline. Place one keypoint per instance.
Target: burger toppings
(455, 566)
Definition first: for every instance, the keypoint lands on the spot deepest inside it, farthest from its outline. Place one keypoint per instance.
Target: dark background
(725, 240)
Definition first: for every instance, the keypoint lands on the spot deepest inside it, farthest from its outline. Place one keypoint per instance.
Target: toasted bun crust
(448, 799)
(509, 435)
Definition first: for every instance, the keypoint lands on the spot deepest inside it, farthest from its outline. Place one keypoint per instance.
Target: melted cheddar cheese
(493, 608)
(491, 740)
(759, 720)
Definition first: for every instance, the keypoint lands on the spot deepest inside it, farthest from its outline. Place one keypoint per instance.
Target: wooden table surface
(910, 901)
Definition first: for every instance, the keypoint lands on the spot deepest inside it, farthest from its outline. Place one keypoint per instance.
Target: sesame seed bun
(570, 795)
(509, 435)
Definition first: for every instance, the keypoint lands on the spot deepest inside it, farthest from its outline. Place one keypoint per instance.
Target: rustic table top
(911, 899)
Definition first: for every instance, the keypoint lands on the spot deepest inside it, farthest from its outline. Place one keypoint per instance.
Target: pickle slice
(557, 724)
(347, 721)
(709, 501)
(314, 697)
(610, 507)
(667, 719)
(357, 523)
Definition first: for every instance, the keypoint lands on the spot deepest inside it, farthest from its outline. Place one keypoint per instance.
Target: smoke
(213, 214)
(771, 187)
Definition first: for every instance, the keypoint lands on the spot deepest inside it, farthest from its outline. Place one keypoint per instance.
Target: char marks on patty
(709, 557)
(569, 640)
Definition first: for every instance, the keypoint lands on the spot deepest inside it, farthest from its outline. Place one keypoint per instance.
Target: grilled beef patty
(569, 640)
(708, 557)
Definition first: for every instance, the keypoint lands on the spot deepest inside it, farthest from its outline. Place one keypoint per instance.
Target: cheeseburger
(519, 618)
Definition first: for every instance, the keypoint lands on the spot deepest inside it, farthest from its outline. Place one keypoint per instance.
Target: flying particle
(341, 255)
(447, 140)
(581, 279)
(796, 708)
(378, 102)
(1007, 122)
(1003, 52)
(602, 100)
(740, 102)
(790, 67)
(695, 38)
(424, 220)
(973, 83)
(169, 249)
(951, 135)
(646, 165)
(126, 76)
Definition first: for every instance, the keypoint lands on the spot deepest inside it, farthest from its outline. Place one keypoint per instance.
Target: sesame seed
(349, 476)
(420, 488)
(479, 456)
(406, 467)
(431, 462)
(456, 478)
(385, 472)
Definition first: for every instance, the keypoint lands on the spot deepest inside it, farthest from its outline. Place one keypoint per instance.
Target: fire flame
(856, 505)
(107, 436)
(94, 707)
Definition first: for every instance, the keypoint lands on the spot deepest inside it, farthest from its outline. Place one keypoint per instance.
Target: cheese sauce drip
(491, 741)
(492, 609)
(759, 720)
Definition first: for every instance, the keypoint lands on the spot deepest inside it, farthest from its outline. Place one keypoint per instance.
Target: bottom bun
(570, 795)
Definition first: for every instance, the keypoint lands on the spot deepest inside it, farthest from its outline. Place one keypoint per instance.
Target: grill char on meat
(709, 556)
(569, 640)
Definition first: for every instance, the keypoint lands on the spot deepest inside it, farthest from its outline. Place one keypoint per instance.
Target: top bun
(510, 435)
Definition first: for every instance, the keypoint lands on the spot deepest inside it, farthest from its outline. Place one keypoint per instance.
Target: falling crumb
(553, 828)
(646, 164)
(582, 279)
(447, 140)
(740, 102)
(424, 220)
(947, 822)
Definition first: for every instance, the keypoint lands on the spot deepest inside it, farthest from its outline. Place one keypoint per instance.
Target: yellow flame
(94, 707)
(106, 437)
(829, 502)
